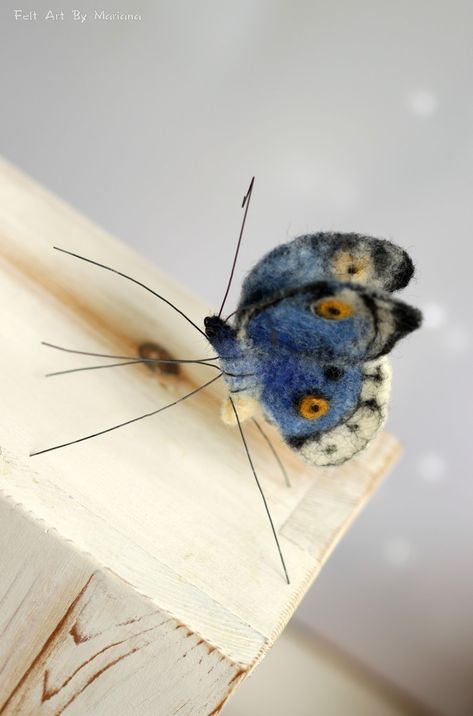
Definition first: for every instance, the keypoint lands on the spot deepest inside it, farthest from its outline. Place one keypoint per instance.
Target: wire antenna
(130, 358)
(128, 362)
(127, 422)
(246, 205)
(260, 489)
(133, 280)
(273, 450)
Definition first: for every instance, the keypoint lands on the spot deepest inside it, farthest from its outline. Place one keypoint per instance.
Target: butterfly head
(222, 337)
(214, 327)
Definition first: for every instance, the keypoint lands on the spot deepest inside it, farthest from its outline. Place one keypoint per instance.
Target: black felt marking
(330, 449)
(406, 319)
(370, 303)
(377, 377)
(371, 404)
(354, 427)
(404, 273)
(297, 441)
(333, 372)
(381, 258)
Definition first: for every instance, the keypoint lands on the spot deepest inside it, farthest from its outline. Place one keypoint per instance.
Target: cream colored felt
(344, 441)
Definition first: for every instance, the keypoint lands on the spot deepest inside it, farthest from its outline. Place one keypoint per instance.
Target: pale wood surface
(159, 521)
(104, 636)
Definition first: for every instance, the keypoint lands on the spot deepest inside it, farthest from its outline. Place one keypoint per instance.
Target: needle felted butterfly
(309, 341)
(307, 345)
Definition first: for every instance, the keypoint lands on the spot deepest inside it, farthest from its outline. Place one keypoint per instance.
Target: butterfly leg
(246, 405)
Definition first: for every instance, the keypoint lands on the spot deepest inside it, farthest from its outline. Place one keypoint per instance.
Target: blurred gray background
(352, 116)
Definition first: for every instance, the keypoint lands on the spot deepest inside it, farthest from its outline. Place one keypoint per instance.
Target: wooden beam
(137, 570)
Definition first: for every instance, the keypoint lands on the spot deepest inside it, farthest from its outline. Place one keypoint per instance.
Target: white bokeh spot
(434, 315)
(398, 552)
(432, 467)
(422, 103)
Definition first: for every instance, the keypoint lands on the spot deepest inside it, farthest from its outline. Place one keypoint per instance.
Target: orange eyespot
(332, 309)
(312, 407)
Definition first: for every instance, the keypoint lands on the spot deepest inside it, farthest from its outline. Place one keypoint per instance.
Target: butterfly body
(308, 342)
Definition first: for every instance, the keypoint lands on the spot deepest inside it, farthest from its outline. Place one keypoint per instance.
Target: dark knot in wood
(153, 351)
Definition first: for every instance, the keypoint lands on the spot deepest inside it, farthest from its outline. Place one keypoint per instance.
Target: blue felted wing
(326, 414)
(351, 258)
(329, 321)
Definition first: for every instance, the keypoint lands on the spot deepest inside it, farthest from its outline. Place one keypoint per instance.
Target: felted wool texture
(288, 321)
(336, 446)
(351, 435)
(348, 257)
(309, 349)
